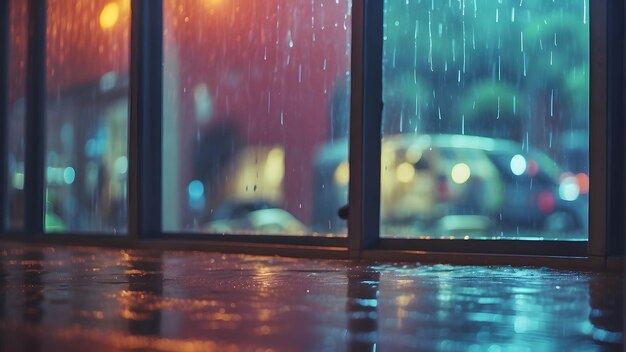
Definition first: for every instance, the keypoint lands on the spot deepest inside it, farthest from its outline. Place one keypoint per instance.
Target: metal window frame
(606, 181)
(4, 112)
(364, 140)
(606, 128)
(366, 109)
(145, 119)
(598, 111)
(363, 241)
(35, 121)
(616, 127)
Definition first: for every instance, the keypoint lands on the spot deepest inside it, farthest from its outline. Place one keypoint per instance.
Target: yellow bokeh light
(405, 172)
(461, 173)
(109, 15)
(342, 174)
(275, 167)
(414, 153)
(213, 2)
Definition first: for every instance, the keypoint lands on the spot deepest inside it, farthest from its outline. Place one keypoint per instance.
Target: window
(485, 125)
(18, 33)
(86, 115)
(255, 114)
(486, 120)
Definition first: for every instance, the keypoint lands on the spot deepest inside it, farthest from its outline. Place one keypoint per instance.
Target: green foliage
(493, 110)
(484, 66)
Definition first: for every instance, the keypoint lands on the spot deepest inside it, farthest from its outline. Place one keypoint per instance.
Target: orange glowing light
(213, 7)
(583, 182)
(109, 15)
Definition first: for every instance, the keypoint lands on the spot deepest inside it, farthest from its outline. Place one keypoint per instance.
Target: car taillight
(583, 182)
(545, 202)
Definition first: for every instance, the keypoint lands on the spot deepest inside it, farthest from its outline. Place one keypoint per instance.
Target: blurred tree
(502, 68)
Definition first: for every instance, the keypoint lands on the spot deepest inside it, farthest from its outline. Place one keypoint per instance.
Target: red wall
(239, 48)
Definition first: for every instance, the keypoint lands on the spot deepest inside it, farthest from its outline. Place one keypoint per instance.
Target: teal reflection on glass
(486, 117)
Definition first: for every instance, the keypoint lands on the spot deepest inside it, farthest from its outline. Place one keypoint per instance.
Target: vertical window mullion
(35, 145)
(145, 119)
(615, 128)
(597, 129)
(4, 111)
(365, 125)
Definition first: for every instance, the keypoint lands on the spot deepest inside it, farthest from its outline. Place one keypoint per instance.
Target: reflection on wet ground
(74, 298)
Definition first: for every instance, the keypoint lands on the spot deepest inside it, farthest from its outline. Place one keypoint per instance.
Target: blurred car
(253, 217)
(539, 195)
(458, 185)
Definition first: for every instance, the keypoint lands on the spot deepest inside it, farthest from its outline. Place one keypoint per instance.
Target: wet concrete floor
(87, 298)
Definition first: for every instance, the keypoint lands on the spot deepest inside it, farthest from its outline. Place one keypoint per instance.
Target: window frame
(606, 220)
(4, 112)
(35, 120)
(606, 19)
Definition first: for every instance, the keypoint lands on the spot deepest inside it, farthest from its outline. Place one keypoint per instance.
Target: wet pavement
(84, 298)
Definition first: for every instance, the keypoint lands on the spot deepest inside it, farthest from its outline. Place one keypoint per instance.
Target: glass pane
(486, 119)
(18, 18)
(87, 113)
(256, 116)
